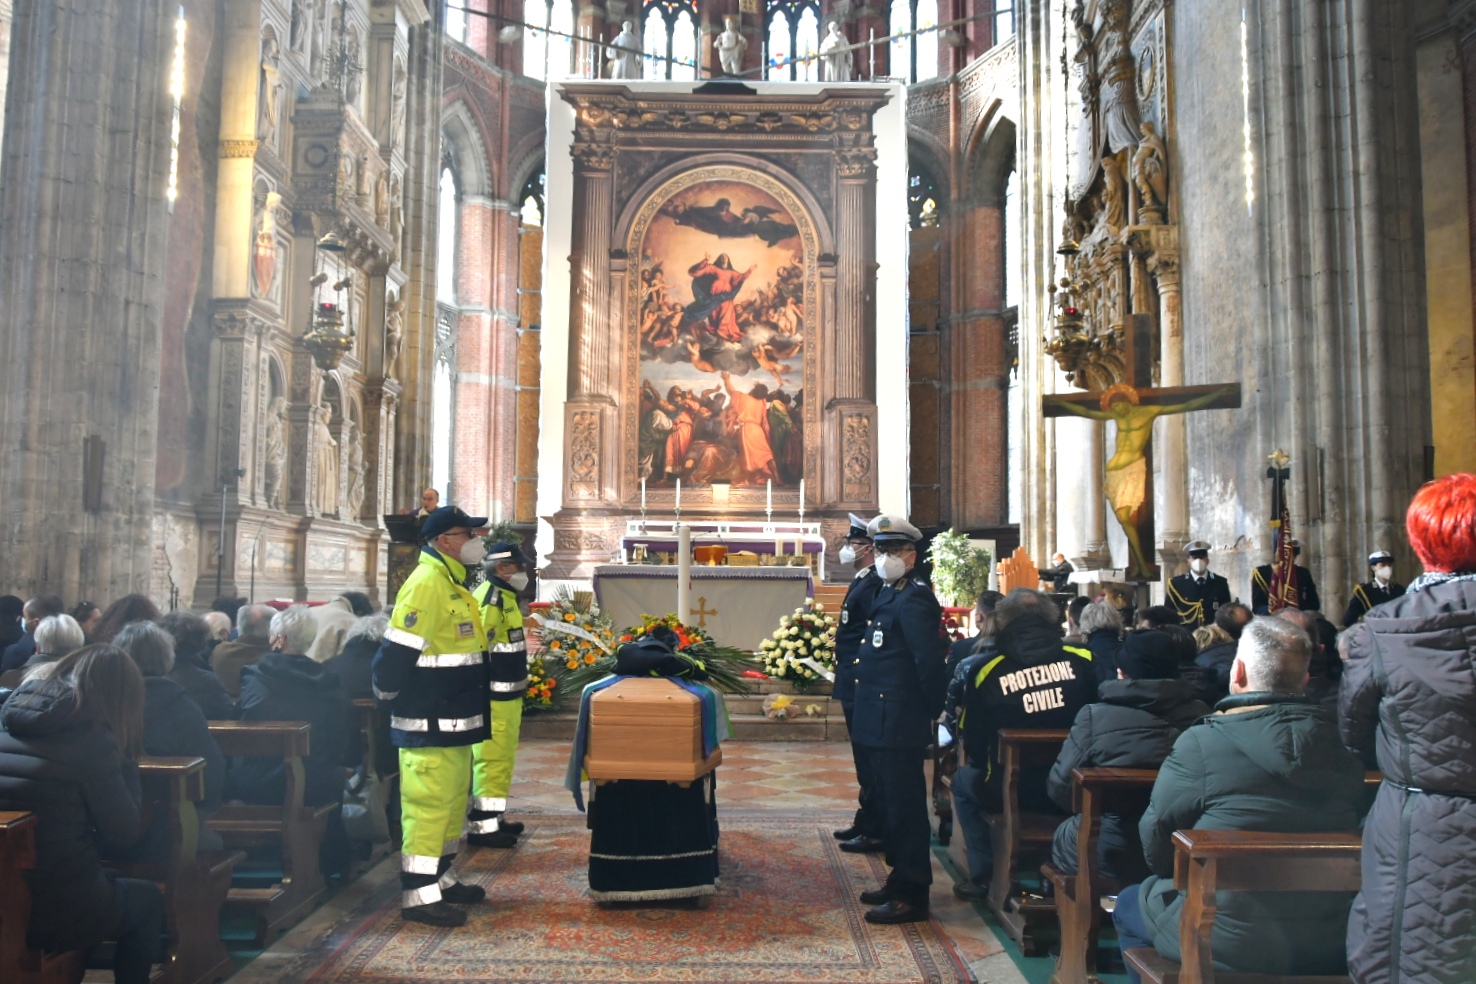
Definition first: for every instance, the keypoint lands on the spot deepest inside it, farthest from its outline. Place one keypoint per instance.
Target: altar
(739, 606)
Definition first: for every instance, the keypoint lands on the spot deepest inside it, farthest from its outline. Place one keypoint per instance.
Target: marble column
(86, 163)
(1172, 451)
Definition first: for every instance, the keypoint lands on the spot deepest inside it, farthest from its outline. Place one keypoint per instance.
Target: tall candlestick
(802, 501)
(684, 571)
(643, 497)
(679, 496)
(768, 496)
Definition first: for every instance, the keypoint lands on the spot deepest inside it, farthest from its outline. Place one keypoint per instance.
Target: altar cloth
(737, 606)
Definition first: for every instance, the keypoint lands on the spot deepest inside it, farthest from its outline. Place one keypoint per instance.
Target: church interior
(670, 295)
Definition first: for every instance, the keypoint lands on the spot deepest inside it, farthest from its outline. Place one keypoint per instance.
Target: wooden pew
(1210, 861)
(295, 829)
(1013, 830)
(19, 963)
(367, 713)
(194, 882)
(1094, 792)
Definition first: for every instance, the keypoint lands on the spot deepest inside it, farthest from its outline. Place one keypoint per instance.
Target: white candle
(643, 495)
(802, 497)
(769, 495)
(684, 571)
(679, 495)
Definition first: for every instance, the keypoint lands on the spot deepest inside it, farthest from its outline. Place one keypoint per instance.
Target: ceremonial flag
(1283, 592)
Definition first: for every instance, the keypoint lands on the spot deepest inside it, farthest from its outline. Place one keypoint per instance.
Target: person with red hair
(1408, 695)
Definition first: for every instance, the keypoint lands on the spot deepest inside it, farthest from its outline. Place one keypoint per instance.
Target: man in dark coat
(228, 659)
(1267, 760)
(972, 771)
(900, 685)
(1034, 681)
(1409, 694)
(192, 641)
(37, 608)
(1198, 594)
(1133, 726)
(1307, 598)
(1372, 593)
(1215, 684)
(864, 835)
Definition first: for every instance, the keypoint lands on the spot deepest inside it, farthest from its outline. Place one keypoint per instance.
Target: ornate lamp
(326, 338)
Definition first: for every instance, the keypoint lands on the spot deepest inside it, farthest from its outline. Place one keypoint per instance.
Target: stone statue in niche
(1114, 195)
(381, 200)
(361, 189)
(353, 82)
(731, 45)
(1150, 174)
(394, 333)
(835, 51)
(354, 497)
(302, 15)
(396, 211)
(271, 91)
(1119, 93)
(625, 53)
(346, 171)
(327, 461)
(275, 453)
(397, 106)
(264, 250)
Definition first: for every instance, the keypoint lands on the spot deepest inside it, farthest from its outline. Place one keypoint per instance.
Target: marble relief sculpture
(397, 106)
(271, 90)
(1114, 195)
(394, 333)
(1150, 175)
(354, 497)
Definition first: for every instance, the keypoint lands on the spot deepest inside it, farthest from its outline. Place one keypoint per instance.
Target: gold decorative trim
(238, 148)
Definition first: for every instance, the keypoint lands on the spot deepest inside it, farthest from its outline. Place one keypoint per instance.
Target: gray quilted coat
(1409, 694)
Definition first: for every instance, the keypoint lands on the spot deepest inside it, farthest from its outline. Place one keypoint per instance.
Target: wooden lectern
(404, 552)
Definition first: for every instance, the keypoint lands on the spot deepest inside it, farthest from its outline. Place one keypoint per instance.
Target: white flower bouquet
(802, 648)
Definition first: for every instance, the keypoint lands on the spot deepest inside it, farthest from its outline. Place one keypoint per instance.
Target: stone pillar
(86, 163)
(853, 337)
(1172, 453)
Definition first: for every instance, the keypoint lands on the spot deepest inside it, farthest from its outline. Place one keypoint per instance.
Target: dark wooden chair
(1211, 861)
(1095, 792)
(194, 882)
(1014, 831)
(293, 828)
(19, 963)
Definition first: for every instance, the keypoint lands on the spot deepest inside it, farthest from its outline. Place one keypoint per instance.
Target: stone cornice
(615, 109)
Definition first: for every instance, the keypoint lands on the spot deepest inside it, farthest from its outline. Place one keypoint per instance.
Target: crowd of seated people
(85, 698)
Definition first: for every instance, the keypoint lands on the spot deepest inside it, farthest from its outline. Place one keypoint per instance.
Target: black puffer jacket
(1218, 658)
(68, 771)
(175, 725)
(1409, 693)
(1105, 644)
(1270, 762)
(279, 687)
(193, 673)
(1133, 726)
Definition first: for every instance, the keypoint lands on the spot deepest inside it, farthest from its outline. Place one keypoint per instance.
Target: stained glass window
(792, 32)
(670, 40)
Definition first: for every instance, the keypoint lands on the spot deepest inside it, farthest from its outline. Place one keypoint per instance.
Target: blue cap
(506, 552)
(449, 518)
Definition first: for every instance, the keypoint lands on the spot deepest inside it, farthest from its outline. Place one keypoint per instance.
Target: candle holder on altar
(710, 554)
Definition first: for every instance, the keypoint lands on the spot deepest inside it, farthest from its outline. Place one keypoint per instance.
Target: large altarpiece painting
(722, 307)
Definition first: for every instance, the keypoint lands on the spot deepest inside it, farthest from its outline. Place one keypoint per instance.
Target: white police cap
(892, 528)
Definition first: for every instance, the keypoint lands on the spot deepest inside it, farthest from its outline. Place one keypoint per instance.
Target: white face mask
(518, 581)
(1199, 565)
(890, 567)
(472, 551)
(1384, 572)
(848, 554)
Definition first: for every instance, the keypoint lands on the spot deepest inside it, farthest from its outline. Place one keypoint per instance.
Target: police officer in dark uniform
(865, 832)
(1197, 595)
(900, 681)
(1307, 599)
(1370, 594)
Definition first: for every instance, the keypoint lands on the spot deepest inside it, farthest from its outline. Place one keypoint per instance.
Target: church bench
(1210, 861)
(1094, 792)
(194, 882)
(1014, 832)
(367, 713)
(19, 963)
(293, 829)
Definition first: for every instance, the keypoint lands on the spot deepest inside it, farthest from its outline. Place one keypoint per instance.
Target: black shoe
(862, 845)
(435, 914)
(512, 827)
(897, 911)
(499, 839)
(971, 891)
(877, 896)
(847, 834)
(460, 894)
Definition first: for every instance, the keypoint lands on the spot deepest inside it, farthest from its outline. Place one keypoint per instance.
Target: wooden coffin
(646, 728)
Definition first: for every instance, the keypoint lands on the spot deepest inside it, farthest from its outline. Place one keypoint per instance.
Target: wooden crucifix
(1133, 406)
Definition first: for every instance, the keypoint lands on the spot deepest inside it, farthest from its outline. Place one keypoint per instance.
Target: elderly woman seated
(56, 636)
(173, 723)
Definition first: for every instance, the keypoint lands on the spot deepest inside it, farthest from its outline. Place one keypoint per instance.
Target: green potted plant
(960, 570)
